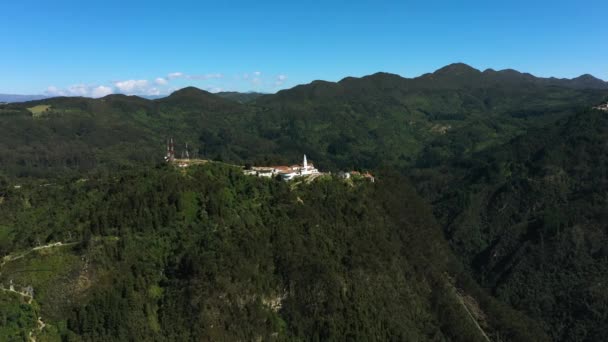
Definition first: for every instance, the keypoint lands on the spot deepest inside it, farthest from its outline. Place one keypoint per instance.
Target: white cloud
(165, 84)
(54, 91)
(153, 91)
(80, 90)
(101, 91)
(214, 89)
(256, 79)
(175, 75)
(132, 86)
(280, 80)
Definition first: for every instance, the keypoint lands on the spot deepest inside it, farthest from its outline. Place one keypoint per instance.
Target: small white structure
(344, 175)
(308, 169)
(266, 173)
(603, 107)
(287, 176)
(285, 172)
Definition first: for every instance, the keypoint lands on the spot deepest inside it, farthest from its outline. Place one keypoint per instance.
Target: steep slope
(516, 179)
(211, 254)
(529, 218)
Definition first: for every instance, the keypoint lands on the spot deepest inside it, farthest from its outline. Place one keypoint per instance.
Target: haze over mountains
(20, 98)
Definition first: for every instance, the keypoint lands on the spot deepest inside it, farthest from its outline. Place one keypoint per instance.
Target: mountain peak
(456, 69)
(122, 97)
(587, 77)
(588, 81)
(190, 91)
(192, 96)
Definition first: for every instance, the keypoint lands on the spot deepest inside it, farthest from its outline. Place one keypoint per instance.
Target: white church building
(299, 171)
(286, 173)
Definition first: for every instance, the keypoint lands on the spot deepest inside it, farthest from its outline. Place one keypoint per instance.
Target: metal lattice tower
(170, 150)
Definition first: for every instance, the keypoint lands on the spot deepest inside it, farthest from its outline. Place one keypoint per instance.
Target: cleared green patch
(39, 110)
(51, 272)
(5, 240)
(4, 233)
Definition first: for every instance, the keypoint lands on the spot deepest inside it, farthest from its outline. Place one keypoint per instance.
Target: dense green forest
(239, 97)
(377, 120)
(161, 254)
(501, 234)
(530, 220)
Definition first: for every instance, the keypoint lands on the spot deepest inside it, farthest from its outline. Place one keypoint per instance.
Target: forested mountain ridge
(530, 217)
(513, 166)
(239, 96)
(212, 254)
(387, 119)
(381, 119)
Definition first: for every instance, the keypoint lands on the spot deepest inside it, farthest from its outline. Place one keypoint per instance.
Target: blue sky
(92, 48)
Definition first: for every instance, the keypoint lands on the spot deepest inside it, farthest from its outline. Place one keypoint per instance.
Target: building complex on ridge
(285, 172)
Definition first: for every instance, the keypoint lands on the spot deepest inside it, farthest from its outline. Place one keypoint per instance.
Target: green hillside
(529, 219)
(212, 254)
(240, 97)
(507, 241)
(381, 119)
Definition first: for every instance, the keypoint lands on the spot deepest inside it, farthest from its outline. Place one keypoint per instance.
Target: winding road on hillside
(27, 297)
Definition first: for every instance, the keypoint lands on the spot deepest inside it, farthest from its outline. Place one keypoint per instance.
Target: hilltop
(527, 217)
(510, 165)
(244, 257)
(381, 119)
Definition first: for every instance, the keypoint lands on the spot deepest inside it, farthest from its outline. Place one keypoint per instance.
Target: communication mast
(170, 151)
(186, 153)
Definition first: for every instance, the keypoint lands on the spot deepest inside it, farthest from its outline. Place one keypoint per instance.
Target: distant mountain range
(231, 95)
(7, 98)
(513, 165)
(454, 75)
(380, 119)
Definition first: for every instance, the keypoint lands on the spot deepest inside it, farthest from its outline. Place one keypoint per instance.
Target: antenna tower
(170, 150)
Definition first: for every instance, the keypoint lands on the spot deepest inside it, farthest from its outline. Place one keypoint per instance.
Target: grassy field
(39, 110)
